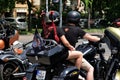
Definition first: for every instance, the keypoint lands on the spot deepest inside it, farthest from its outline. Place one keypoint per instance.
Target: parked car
(93, 23)
(11, 20)
(116, 23)
(19, 22)
(83, 23)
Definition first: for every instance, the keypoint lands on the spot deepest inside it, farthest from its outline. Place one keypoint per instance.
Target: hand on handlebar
(95, 44)
(102, 40)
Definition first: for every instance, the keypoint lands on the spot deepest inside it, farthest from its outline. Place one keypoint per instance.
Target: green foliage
(110, 7)
(95, 30)
(87, 3)
(113, 10)
(6, 5)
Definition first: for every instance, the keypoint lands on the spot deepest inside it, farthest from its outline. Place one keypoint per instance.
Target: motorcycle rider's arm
(66, 43)
(91, 37)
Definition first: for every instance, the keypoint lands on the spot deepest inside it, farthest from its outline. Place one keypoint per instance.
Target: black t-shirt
(60, 32)
(72, 33)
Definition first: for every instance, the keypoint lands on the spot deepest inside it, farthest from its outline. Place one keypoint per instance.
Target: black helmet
(73, 17)
(52, 15)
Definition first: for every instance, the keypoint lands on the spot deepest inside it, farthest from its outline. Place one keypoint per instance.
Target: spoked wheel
(7, 71)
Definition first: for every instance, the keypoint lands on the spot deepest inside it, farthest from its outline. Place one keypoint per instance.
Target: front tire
(1, 72)
(7, 71)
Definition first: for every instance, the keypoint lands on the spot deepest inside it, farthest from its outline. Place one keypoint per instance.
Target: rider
(73, 33)
(70, 52)
(72, 36)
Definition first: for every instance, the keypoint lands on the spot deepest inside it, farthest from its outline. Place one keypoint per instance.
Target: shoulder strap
(55, 32)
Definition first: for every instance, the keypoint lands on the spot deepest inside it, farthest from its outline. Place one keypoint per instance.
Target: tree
(6, 6)
(30, 5)
(113, 9)
(109, 8)
(88, 4)
(29, 15)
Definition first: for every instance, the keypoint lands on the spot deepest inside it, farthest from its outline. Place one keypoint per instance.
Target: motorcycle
(47, 66)
(104, 69)
(113, 64)
(12, 61)
(94, 54)
(8, 34)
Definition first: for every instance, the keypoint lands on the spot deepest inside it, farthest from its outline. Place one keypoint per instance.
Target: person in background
(75, 4)
(78, 5)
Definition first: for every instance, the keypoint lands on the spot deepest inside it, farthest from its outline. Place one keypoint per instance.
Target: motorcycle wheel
(1, 72)
(7, 70)
(100, 70)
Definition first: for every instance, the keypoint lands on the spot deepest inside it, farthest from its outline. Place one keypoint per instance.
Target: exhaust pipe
(22, 74)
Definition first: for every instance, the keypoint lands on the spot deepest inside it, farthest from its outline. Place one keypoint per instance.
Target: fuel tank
(113, 35)
(89, 51)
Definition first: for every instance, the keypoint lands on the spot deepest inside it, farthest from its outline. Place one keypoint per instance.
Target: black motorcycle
(47, 65)
(8, 34)
(13, 63)
(113, 64)
(94, 54)
(104, 69)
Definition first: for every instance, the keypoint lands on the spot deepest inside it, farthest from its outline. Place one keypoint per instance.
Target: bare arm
(91, 38)
(66, 43)
(78, 3)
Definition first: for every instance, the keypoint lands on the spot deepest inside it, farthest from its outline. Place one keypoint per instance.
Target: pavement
(26, 38)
